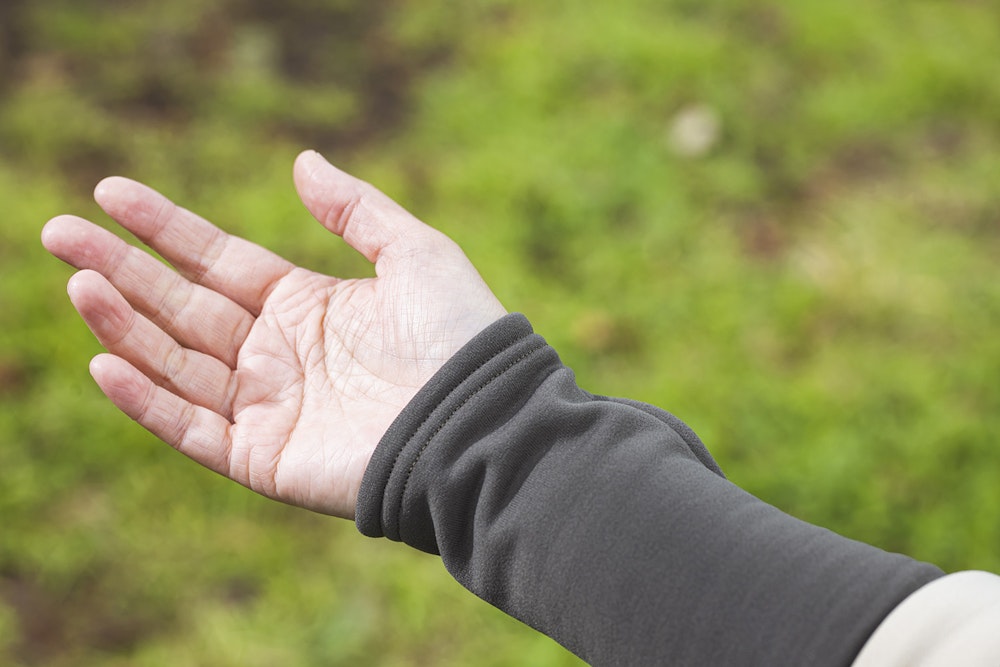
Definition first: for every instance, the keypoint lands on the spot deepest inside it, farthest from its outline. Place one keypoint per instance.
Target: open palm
(280, 378)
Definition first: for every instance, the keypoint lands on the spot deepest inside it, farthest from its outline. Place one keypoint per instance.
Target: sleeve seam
(444, 422)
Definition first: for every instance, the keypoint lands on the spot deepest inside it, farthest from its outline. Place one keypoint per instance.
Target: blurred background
(780, 221)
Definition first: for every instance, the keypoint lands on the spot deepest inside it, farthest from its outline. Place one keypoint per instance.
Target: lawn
(780, 221)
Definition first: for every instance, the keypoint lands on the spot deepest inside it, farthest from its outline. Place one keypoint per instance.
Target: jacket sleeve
(606, 524)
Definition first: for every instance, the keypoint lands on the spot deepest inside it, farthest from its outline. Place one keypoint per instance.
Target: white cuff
(954, 620)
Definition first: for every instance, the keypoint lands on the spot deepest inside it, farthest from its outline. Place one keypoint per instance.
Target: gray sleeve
(607, 525)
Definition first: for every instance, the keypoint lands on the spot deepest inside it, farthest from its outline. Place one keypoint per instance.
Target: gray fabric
(606, 524)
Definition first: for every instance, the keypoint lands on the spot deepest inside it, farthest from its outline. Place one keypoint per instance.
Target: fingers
(368, 220)
(195, 431)
(197, 378)
(195, 316)
(227, 264)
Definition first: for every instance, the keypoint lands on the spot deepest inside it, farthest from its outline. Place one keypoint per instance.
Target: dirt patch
(60, 624)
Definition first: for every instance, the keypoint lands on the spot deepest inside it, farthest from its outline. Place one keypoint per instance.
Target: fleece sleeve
(607, 525)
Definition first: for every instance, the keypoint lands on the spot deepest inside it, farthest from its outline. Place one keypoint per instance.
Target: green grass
(815, 293)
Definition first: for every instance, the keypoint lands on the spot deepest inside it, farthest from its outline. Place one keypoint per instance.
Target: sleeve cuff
(462, 380)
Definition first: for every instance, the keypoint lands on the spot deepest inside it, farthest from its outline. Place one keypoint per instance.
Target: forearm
(606, 525)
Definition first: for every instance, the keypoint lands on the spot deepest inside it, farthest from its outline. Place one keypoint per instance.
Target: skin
(280, 378)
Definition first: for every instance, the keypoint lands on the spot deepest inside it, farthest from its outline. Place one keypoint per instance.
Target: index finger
(230, 265)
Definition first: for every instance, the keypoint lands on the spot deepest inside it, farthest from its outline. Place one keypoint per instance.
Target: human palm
(280, 378)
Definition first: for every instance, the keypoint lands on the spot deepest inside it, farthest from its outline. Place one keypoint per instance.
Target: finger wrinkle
(181, 427)
(210, 254)
(175, 296)
(173, 362)
(232, 387)
(158, 223)
(338, 218)
(116, 256)
(117, 322)
(145, 407)
(226, 451)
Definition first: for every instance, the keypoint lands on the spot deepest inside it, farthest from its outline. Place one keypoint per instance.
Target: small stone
(694, 131)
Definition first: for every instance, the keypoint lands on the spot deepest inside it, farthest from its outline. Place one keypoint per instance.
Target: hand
(279, 378)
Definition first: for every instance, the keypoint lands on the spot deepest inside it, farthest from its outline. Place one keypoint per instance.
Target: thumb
(368, 220)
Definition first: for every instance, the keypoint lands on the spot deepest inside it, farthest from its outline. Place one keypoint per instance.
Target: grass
(814, 291)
